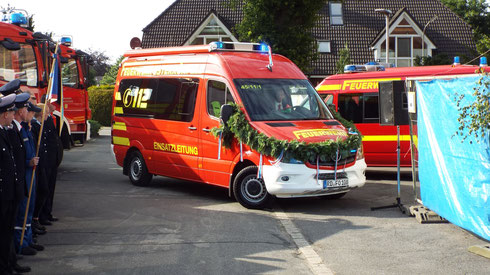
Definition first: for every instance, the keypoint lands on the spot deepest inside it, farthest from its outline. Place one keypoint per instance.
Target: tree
(475, 116)
(100, 61)
(285, 25)
(476, 14)
(344, 59)
(111, 75)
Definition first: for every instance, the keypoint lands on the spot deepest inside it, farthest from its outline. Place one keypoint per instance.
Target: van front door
(214, 170)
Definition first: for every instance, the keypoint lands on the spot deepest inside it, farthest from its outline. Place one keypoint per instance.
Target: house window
(324, 47)
(212, 30)
(403, 50)
(336, 18)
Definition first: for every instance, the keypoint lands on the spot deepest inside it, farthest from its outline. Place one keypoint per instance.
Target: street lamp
(423, 34)
(386, 13)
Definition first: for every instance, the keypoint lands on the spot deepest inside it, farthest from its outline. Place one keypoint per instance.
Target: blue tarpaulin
(454, 176)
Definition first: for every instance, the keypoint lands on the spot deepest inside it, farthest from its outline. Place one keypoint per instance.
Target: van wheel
(138, 174)
(250, 191)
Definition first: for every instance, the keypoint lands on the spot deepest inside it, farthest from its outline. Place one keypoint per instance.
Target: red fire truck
(27, 56)
(355, 96)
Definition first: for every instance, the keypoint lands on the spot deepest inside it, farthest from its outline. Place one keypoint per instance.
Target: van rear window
(159, 98)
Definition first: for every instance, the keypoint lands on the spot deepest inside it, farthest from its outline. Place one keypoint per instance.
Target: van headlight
(360, 152)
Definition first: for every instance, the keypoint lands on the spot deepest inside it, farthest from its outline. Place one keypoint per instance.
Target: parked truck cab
(167, 102)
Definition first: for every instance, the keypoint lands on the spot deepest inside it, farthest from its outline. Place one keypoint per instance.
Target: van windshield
(281, 99)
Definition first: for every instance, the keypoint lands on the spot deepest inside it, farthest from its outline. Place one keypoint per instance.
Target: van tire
(250, 191)
(138, 173)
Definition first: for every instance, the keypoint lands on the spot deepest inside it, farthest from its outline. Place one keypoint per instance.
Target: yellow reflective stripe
(416, 141)
(329, 87)
(118, 110)
(119, 126)
(118, 96)
(120, 141)
(386, 138)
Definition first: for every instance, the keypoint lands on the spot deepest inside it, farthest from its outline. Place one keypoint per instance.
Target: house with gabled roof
(416, 28)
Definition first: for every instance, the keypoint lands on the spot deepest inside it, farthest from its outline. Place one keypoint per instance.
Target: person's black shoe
(53, 219)
(28, 251)
(36, 224)
(38, 231)
(37, 247)
(21, 269)
(45, 222)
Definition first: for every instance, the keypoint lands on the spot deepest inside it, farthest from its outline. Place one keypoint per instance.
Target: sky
(103, 25)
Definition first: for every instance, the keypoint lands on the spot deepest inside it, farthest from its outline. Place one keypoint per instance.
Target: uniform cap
(7, 103)
(10, 87)
(21, 100)
(33, 108)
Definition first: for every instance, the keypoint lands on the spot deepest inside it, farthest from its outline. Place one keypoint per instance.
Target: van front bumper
(286, 180)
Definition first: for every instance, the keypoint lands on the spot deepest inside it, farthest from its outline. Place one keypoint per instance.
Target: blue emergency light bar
(483, 61)
(368, 67)
(238, 46)
(65, 40)
(456, 61)
(13, 16)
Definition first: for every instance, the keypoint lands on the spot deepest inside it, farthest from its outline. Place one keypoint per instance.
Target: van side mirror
(226, 112)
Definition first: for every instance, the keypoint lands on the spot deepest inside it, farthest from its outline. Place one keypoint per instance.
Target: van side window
(359, 108)
(163, 98)
(176, 99)
(218, 94)
(135, 97)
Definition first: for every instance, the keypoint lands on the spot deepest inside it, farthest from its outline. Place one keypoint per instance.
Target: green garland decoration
(239, 128)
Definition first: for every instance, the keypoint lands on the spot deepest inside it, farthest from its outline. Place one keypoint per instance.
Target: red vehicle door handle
(192, 128)
(206, 130)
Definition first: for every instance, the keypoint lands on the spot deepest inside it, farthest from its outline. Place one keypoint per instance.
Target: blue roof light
(220, 45)
(18, 18)
(456, 60)
(264, 47)
(483, 61)
(66, 41)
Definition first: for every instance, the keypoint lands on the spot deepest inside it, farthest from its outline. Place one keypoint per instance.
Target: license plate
(336, 183)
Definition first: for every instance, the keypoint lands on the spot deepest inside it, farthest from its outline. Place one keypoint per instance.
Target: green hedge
(100, 101)
(94, 128)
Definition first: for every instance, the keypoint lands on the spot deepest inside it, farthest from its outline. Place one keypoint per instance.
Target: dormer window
(212, 29)
(336, 18)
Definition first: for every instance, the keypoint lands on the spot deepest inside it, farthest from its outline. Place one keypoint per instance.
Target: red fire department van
(27, 56)
(355, 95)
(168, 100)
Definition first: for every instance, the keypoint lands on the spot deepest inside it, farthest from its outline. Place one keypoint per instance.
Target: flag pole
(48, 96)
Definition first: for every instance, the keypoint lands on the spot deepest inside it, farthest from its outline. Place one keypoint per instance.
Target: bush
(94, 128)
(100, 102)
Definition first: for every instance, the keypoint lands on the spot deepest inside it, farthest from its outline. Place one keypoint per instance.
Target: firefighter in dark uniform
(51, 142)
(42, 190)
(8, 185)
(30, 163)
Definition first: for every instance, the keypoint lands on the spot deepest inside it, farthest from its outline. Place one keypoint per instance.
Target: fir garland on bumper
(239, 127)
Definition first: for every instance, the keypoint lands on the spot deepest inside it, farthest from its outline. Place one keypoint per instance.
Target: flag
(55, 90)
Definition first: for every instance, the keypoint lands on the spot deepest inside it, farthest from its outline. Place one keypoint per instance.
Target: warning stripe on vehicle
(120, 141)
(118, 96)
(330, 87)
(118, 110)
(386, 138)
(119, 126)
(391, 138)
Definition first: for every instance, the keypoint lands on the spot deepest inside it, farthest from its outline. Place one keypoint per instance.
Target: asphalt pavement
(108, 226)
